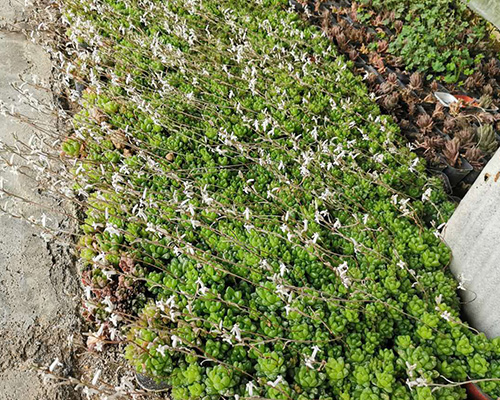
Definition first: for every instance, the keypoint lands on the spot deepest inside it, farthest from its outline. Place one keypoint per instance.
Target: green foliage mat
(439, 37)
(253, 225)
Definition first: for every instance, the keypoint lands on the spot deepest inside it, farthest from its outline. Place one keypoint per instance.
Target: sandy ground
(39, 290)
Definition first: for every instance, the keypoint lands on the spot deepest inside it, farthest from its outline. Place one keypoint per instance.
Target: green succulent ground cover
(253, 226)
(440, 37)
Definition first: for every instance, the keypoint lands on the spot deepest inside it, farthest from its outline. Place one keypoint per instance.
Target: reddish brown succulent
(332, 31)
(390, 84)
(425, 123)
(344, 24)
(492, 69)
(405, 124)
(385, 88)
(479, 78)
(412, 108)
(353, 54)
(398, 26)
(357, 36)
(469, 83)
(487, 89)
(451, 152)
(455, 108)
(369, 37)
(430, 145)
(392, 79)
(475, 157)
(390, 101)
(325, 21)
(448, 125)
(462, 121)
(416, 82)
(486, 118)
(382, 46)
(378, 20)
(474, 81)
(438, 113)
(126, 263)
(371, 78)
(397, 61)
(354, 12)
(341, 40)
(378, 62)
(465, 137)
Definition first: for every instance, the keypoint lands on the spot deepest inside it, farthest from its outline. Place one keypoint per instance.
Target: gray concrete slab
(39, 291)
(473, 234)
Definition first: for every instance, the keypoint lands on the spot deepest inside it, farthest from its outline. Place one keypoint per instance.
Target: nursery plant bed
(406, 95)
(252, 224)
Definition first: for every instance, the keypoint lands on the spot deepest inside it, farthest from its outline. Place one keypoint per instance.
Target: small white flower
(96, 377)
(44, 220)
(55, 364)
(306, 225)
(283, 269)
(161, 305)
(112, 229)
(461, 281)
(446, 315)
(365, 218)
(114, 319)
(342, 271)
(175, 340)
(410, 368)
(427, 195)
(202, 288)
(249, 227)
(309, 362)
(88, 292)
(161, 349)
(108, 274)
(414, 163)
(236, 332)
(278, 380)
(250, 386)
(337, 224)
(419, 382)
(315, 350)
(98, 258)
(110, 306)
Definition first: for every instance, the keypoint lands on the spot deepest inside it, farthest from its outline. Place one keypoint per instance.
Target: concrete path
(473, 233)
(38, 284)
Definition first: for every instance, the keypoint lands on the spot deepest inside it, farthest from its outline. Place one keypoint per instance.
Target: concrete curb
(473, 234)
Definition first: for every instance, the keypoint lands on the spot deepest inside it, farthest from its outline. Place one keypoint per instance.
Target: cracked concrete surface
(38, 285)
(472, 234)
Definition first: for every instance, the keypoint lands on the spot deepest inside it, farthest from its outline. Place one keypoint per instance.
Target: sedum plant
(253, 226)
